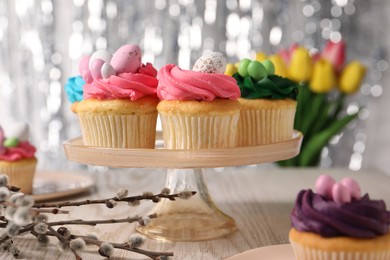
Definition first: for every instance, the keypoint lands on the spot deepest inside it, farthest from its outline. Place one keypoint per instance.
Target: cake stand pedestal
(180, 220)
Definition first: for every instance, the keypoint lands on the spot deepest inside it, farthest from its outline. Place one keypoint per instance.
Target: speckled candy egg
(126, 59)
(213, 62)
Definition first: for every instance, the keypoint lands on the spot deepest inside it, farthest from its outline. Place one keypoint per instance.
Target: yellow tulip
(351, 77)
(230, 69)
(323, 79)
(280, 67)
(300, 68)
(260, 56)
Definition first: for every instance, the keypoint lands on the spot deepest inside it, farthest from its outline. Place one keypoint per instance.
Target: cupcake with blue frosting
(74, 90)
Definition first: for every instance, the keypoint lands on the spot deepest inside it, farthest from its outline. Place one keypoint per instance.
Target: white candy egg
(107, 70)
(16, 129)
(213, 62)
(100, 54)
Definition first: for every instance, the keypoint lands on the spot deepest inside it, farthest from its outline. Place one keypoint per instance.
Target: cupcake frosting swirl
(362, 218)
(24, 150)
(132, 86)
(177, 84)
(74, 89)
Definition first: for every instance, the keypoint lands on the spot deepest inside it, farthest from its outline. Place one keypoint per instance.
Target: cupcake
(118, 109)
(17, 158)
(267, 104)
(199, 107)
(338, 223)
(74, 90)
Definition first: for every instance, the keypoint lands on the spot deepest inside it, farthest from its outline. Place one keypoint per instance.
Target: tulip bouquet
(325, 81)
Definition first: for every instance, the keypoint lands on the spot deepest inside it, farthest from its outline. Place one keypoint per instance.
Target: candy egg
(256, 70)
(324, 186)
(340, 193)
(84, 69)
(96, 68)
(17, 129)
(213, 62)
(243, 67)
(99, 55)
(11, 142)
(127, 59)
(269, 66)
(107, 70)
(352, 186)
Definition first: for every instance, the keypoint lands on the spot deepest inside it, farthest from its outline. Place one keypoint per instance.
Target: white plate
(277, 252)
(56, 184)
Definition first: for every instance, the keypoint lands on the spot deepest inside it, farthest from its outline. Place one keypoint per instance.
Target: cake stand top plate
(164, 158)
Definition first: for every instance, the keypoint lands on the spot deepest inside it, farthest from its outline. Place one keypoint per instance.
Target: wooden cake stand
(197, 219)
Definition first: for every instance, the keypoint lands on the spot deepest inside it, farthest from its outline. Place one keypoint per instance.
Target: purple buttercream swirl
(362, 218)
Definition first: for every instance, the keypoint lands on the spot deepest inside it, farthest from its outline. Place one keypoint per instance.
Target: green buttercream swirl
(271, 87)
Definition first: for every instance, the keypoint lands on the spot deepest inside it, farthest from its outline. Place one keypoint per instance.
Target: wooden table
(259, 198)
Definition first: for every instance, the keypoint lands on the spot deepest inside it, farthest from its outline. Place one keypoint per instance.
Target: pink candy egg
(340, 193)
(84, 69)
(324, 186)
(352, 186)
(127, 59)
(96, 68)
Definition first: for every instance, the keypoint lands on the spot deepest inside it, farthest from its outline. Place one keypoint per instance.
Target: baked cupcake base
(20, 173)
(118, 123)
(199, 124)
(310, 246)
(264, 121)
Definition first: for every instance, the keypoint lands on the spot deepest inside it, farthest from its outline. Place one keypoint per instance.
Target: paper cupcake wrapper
(20, 174)
(306, 253)
(199, 132)
(118, 131)
(265, 126)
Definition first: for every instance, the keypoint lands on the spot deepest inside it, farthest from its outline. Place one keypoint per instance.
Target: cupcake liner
(306, 253)
(265, 126)
(118, 131)
(20, 173)
(199, 132)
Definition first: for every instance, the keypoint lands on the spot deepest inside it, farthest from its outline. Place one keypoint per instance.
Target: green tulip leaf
(314, 146)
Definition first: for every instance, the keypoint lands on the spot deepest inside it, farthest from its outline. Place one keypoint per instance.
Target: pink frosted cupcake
(337, 223)
(199, 107)
(119, 105)
(17, 156)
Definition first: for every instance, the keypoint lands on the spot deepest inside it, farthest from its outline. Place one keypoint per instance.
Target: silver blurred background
(41, 42)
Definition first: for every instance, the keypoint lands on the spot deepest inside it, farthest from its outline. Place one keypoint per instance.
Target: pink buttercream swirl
(177, 84)
(24, 150)
(130, 86)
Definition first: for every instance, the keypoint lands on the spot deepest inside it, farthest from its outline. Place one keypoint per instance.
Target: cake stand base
(194, 220)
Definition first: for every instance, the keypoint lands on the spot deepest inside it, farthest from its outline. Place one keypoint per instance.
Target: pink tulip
(286, 53)
(334, 52)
